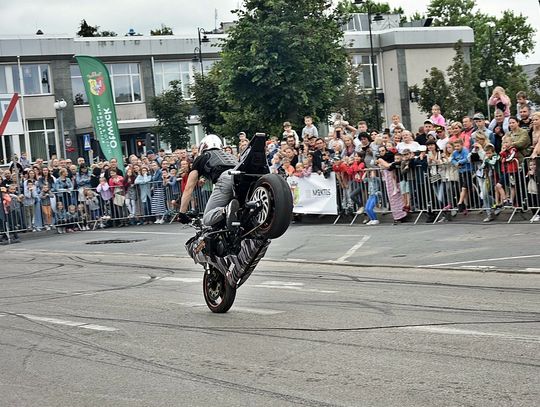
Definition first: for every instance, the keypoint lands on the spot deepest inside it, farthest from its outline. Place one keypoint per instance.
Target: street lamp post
(486, 84)
(378, 17)
(60, 105)
(202, 40)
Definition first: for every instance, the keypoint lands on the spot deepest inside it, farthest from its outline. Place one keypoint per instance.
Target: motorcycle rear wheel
(218, 293)
(274, 195)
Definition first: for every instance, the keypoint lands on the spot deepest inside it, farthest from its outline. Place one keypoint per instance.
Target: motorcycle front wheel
(274, 195)
(218, 293)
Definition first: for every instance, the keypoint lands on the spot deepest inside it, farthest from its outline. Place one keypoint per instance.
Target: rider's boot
(231, 216)
(251, 205)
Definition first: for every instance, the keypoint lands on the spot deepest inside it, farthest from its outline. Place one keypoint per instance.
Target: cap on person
(428, 121)
(438, 127)
(479, 116)
(150, 152)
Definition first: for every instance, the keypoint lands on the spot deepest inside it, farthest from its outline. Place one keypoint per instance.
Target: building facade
(42, 69)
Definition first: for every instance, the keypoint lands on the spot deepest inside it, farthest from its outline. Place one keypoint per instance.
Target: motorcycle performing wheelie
(247, 209)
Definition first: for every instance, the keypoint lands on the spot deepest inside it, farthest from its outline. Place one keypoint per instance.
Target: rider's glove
(183, 218)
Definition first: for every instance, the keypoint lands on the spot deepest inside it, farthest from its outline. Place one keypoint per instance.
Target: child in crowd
(301, 171)
(288, 131)
(486, 177)
(30, 199)
(83, 216)
(522, 101)
(106, 195)
(404, 183)
(532, 190)
(344, 181)
(47, 198)
(356, 172)
(374, 191)
(72, 219)
(509, 168)
(287, 167)
(436, 116)
(60, 218)
(92, 203)
(9, 208)
(309, 129)
(396, 122)
(460, 159)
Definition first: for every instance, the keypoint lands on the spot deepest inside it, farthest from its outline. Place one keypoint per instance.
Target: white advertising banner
(314, 194)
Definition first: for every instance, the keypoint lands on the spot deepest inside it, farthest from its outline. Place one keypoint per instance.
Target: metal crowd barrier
(433, 190)
(442, 190)
(86, 208)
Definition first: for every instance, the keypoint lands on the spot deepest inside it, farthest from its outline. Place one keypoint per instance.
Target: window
(77, 86)
(362, 62)
(125, 81)
(35, 77)
(166, 72)
(42, 139)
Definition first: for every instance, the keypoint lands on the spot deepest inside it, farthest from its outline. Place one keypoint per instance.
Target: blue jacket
(461, 158)
(143, 185)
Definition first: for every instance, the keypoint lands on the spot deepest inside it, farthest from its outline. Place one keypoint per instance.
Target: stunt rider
(212, 163)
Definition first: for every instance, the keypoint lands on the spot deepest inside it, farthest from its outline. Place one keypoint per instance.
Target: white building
(42, 69)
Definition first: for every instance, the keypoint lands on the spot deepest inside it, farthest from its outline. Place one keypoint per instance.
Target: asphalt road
(126, 324)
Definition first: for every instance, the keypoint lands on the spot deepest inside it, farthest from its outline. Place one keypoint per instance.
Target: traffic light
(151, 142)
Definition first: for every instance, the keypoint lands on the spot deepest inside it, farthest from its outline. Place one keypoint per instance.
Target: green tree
(463, 98)
(86, 30)
(434, 91)
(452, 12)
(535, 87)
(163, 30)
(282, 60)
(205, 90)
(354, 102)
(171, 112)
(497, 42)
(378, 7)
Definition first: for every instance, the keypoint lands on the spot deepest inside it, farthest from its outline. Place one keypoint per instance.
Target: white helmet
(211, 141)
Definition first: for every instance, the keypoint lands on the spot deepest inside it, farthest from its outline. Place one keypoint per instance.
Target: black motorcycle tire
(219, 295)
(274, 193)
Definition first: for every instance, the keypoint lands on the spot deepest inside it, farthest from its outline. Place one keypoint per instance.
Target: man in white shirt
(442, 137)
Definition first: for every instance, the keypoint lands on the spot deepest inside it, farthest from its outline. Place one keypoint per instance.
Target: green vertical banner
(100, 97)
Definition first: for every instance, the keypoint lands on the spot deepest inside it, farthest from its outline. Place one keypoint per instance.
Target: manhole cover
(112, 241)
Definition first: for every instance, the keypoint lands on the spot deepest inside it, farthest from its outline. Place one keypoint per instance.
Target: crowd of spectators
(70, 196)
(448, 166)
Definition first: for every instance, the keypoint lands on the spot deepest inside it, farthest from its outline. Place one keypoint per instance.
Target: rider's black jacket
(212, 163)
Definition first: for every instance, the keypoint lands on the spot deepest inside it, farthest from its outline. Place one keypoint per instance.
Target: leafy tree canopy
(282, 60)
(171, 112)
(163, 30)
(497, 42)
(354, 102)
(86, 30)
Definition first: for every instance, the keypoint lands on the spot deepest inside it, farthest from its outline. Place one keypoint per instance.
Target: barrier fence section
(437, 190)
(91, 208)
(445, 189)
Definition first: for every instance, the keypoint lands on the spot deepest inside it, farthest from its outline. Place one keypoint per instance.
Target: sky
(25, 17)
